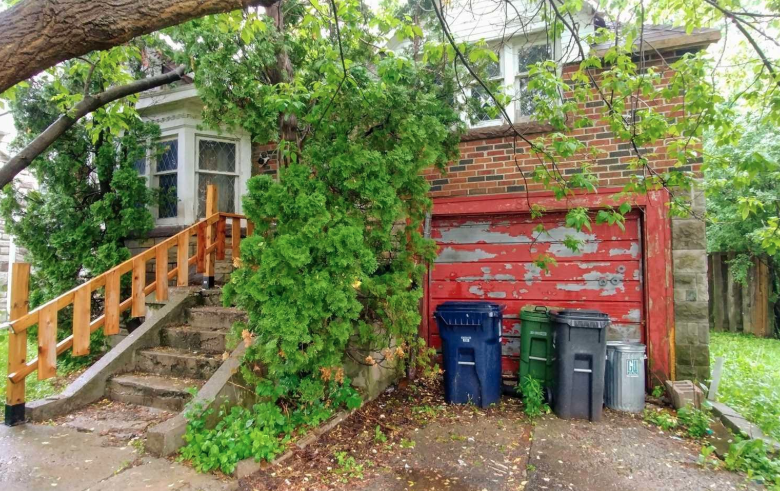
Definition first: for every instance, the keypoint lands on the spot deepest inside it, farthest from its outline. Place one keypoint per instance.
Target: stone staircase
(165, 376)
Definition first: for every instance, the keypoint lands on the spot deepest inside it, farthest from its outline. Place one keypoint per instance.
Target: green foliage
(90, 197)
(661, 418)
(261, 432)
(749, 382)
(347, 467)
(379, 436)
(696, 421)
(659, 391)
(753, 457)
(533, 397)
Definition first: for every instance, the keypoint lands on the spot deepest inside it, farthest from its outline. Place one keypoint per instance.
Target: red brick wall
(497, 165)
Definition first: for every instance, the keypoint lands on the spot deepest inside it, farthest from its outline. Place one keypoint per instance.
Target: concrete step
(215, 318)
(151, 390)
(193, 339)
(174, 362)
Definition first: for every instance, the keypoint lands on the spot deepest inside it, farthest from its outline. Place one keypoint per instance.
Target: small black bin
(471, 345)
(580, 344)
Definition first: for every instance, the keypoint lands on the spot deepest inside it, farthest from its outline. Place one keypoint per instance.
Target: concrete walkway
(37, 457)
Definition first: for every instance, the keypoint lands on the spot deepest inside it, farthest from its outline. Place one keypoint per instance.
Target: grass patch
(750, 383)
(34, 389)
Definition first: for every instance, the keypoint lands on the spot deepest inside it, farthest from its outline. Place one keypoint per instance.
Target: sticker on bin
(465, 339)
(539, 333)
(632, 367)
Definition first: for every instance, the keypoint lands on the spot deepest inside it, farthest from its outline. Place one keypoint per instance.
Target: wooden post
(762, 302)
(47, 342)
(82, 308)
(183, 259)
(111, 325)
(734, 297)
(235, 239)
(161, 273)
(17, 343)
(211, 208)
(221, 225)
(718, 299)
(138, 305)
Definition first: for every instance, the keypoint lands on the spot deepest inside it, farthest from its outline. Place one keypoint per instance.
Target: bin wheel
(548, 396)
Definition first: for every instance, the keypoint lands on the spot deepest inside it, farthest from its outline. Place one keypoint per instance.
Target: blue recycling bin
(471, 345)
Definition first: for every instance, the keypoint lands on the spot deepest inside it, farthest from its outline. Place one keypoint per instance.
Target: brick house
(650, 278)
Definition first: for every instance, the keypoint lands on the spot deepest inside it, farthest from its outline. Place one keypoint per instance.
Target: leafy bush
(749, 382)
(261, 432)
(753, 458)
(696, 421)
(533, 397)
(661, 418)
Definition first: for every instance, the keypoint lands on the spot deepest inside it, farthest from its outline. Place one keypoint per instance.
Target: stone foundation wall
(691, 297)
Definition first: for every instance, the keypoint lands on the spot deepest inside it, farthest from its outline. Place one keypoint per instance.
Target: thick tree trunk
(282, 73)
(38, 34)
(90, 103)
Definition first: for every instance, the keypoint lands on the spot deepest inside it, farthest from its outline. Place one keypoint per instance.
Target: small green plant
(530, 468)
(379, 437)
(753, 458)
(696, 421)
(533, 397)
(705, 457)
(407, 443)
(347, 467)
(661, 418)
(658, 391)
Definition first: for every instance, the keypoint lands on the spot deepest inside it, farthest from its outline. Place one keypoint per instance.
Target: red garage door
(491, 258)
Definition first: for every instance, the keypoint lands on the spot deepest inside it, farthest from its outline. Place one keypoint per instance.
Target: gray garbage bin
(625, 377)
(580, 352)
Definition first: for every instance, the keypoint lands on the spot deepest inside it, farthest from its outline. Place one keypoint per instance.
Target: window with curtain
(217, 165)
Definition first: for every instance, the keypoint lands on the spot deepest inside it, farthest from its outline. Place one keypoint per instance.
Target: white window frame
(236, 174)
(521, 73)
(502, 76)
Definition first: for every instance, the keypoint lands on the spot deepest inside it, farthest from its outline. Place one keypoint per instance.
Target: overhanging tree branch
(38, 34)
(87, 105)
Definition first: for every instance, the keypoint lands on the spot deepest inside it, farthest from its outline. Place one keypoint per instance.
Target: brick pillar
(691, 319)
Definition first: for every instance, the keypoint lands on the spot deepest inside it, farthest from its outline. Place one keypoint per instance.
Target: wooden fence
(736, 307)
(211, 246)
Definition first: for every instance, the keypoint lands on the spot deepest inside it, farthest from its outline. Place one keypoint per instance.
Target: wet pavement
(38, 457)
(619, 453)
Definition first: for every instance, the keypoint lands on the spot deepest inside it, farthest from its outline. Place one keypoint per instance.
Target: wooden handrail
(211, 246)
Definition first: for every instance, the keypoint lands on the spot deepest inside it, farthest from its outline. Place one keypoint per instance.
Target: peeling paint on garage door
(491, 258)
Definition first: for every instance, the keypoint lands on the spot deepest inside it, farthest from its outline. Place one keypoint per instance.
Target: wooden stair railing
(211, 246)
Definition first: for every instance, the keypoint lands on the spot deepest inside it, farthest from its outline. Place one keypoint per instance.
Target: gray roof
(665, 38)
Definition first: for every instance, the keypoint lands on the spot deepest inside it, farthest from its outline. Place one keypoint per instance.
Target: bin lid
(477, 307)
(594, 319)
(631, 347)
(536, 313)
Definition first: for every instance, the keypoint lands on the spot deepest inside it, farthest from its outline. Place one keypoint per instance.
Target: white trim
(180, 123)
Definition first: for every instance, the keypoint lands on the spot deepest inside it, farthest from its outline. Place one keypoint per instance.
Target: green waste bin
(536, 346)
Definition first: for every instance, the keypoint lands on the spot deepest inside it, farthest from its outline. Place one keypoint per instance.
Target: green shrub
(661, 418)
(696, 421)
(533, 397)
(753, 458)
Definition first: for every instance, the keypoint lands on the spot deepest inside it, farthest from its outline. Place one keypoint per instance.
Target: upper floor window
(217, 164)
(481, 102)
(524, 97)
